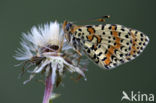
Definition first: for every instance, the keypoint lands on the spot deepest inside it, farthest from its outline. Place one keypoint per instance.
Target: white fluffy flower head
(45, 48)
(39, 37)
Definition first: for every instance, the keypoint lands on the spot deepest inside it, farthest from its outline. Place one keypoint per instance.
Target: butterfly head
(68, 27)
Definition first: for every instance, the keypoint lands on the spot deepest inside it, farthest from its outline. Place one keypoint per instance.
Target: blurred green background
(102, 86)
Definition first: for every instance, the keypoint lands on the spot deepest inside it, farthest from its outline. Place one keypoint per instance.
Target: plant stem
(48, 89)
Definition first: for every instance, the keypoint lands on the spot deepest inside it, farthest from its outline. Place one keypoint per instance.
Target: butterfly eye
(68, 26)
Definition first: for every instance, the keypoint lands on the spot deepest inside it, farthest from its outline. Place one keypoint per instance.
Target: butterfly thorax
(70, 35)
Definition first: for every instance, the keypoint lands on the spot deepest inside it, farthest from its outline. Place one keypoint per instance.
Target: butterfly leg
(79, 56)
(78, 59)
(62, 42)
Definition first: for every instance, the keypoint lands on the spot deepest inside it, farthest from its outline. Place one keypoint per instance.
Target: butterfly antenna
(103, 18)
(99, 19)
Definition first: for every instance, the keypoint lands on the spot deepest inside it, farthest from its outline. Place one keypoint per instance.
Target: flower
(46, 49)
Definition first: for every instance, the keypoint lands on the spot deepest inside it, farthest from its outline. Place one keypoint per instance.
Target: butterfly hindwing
(110, 45)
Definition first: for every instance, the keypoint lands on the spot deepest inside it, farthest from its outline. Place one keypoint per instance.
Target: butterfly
(107, 45)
